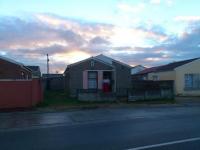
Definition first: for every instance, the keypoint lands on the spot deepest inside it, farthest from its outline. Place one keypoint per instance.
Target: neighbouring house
(53, 81)
(52, 75)
(137, 69)
(143, 75)
(36, 73)
(99, 73)
(185, 74)
(10, 69)
(17, 87)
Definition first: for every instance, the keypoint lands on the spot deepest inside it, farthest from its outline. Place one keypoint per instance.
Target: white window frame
(91, 79)
(192, 81)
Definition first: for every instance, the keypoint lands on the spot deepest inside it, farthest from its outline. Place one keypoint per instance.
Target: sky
(136, 32)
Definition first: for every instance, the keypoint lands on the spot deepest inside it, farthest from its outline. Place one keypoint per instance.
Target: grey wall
(123, 78)
(55, 83)
(74, 75)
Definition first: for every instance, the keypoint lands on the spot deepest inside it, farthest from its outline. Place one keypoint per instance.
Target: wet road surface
(116, 128)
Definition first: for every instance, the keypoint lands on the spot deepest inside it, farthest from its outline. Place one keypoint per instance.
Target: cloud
(154, 32)
(174, 48)
(68, 40)
(99, 40)
(44, 33)
(187, 18)
(188, 42)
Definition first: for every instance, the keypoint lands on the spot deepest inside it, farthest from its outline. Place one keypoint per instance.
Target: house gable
(189, 68)
(188, 64)
(91, 64)
(87, 63)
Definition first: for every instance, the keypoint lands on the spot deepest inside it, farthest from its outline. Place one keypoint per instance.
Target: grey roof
(110, 60)
(138, 66)
(34, 68)
(15, 62)
(168, 67)
(103, 59)
(11, 61)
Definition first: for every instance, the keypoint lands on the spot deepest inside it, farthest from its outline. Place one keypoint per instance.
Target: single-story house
(95, 73)
(36, 73)
(17, 87)
(185, 74)
(53, 81)
(10, 69)
(52, 75)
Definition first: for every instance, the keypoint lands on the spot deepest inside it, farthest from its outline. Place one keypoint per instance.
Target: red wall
(21, 93)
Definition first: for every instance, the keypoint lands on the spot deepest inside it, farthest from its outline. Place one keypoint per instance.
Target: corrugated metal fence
(151, 90)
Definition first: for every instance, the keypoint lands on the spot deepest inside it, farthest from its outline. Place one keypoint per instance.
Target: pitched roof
(103, 59)
(15, 62)
(168, 67)
(90, 58)
(148, 70)
(138, 66)
(11, 61)
(34, 68)
(110, 60)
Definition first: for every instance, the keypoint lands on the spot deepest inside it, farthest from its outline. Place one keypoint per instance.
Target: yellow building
(185, 74)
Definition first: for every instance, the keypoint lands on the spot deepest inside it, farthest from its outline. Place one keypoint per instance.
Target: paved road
(101, 129)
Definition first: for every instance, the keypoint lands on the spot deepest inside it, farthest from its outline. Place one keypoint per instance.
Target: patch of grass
(57, 98)
(62, 98)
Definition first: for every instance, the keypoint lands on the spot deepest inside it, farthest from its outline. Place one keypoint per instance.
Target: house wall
(53, 83)
(74, 76)
(193, 67)
(10, 70)
(123, 77)
(167, 75)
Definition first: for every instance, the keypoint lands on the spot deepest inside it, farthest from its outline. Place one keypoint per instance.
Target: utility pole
(47, 81)
(47, 64)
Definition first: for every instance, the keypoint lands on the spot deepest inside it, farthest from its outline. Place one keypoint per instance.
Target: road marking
(165, 144)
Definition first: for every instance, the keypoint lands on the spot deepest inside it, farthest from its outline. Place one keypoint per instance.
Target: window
(92, 63)
(23, 75)
(92, 80)
(192, 81)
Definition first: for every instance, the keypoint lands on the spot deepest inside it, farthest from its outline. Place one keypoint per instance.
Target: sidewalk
(188, 101)
(35, 119)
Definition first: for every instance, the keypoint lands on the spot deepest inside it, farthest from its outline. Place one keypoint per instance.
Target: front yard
(61, 99)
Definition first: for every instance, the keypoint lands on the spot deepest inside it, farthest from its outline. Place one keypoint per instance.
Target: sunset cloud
(69, 40)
